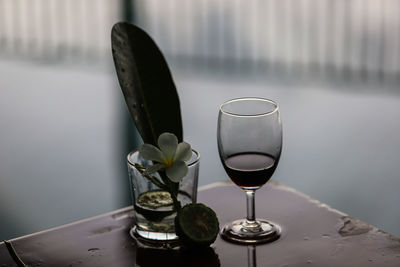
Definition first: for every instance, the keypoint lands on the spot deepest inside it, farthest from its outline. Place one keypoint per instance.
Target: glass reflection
(251, 256)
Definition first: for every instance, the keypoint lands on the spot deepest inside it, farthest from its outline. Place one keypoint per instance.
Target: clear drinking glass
(153, 207)
(249, 143)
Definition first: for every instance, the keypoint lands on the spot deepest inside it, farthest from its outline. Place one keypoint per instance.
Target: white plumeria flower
(171, 156)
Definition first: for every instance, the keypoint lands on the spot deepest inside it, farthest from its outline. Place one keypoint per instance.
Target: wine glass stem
(251, 217)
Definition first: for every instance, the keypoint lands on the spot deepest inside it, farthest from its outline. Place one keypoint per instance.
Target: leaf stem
(152, 179)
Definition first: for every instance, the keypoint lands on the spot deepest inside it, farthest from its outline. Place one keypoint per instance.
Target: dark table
(313, 234)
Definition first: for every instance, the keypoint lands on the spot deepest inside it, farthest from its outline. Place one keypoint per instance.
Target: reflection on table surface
(251, 256)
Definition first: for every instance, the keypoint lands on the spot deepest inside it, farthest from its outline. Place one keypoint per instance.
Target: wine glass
(249, 143)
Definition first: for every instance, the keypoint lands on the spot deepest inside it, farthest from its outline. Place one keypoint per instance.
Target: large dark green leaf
(146, 83)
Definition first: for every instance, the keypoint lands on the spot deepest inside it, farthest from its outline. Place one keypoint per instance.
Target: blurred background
(332, 65)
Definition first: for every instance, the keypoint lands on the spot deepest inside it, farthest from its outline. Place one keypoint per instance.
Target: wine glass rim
(251, 99)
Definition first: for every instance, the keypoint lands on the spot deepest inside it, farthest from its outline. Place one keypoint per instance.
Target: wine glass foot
(236, 232)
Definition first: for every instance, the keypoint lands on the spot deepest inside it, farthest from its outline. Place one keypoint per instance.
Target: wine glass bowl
(249, 138)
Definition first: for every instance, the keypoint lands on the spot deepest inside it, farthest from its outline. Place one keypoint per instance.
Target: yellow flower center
(168, 162)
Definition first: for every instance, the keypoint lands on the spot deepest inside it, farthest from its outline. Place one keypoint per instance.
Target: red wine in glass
(250, 170)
